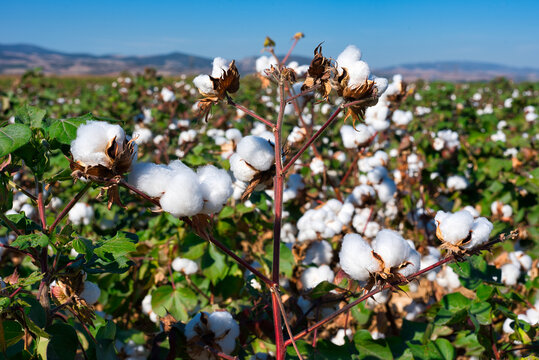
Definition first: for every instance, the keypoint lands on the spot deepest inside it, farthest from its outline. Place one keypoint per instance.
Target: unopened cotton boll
(90, 145)
(356, 258)
(150, 178)
(90, 293)
(391, 247)
(183, 195)
(256, 151)
(216, 187)
(315, 275)
(81, 213)
(186, 266)
(319, 253)
(454, 228)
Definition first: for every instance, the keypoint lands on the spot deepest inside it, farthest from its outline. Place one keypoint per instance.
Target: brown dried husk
(319, 73)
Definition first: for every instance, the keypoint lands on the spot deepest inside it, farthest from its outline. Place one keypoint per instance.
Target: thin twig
(283, 313)
(249, 112)
(69, 206)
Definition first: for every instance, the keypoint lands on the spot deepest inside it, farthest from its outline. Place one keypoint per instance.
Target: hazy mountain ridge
(17, 58)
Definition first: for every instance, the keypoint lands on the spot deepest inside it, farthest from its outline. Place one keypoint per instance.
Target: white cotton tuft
(356, 258)
(448, 279)
(147, 304)
(240, 169)
(391, 247)
(150, 178)
(481, 230)
(510, 274)
(183, 196)
(401, 117)
(359, 73)
(457, 182)
(225, 329)
(142, 136)
(353, 138)
(315, 275)
(317, 166)
(381, 84)
(386, 190)
(186, 266)
(472, 210)
(90, 293)
(90, 145)
(233, 134)
(520, 259)
(220, 65)
(319, 253)
(216, 187)
(81, 214)
(414, 259)
(204, 84)
(257, 151)
(349, 55)
(454, 228)
(263, 63)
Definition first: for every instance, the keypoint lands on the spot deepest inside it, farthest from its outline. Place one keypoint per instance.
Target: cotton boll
(414, 259)
(187, 136)
(448, 279)
(240, 169)
(225, 329)
(315, 275)
(220, 65)
(28, 210)
(520, 259)
(533, 316)
(507, 328)
(457, 182)
(386, 190)
(204, 84)
(339, 338)
(216, 187)
(346, 213)
(413, 310)
(90, 293)
(391, 247)
(381, 84)
(258, 152)
(454, 227)
(185, 266)
(356, 258)
(142, 136)
(401, 117)
(183, 195)
(150, 178)
(350, 55)
(319, 253)
(481, 230)
(233, 134)
(263, 63)
(472, 211)
(81, 213)
(359, 73)
(510, 274)
(90, 145)
(377, 174)
(317, 166)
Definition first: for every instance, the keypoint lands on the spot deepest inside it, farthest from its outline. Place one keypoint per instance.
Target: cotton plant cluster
(518, 263)
(531, 316)
(324, 222)
(461, 230)
(217, 330)
(389, 254)
(446, 139)
(182, 191)
(501, 210)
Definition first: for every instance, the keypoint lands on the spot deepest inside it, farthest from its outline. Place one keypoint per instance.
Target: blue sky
(388, 32)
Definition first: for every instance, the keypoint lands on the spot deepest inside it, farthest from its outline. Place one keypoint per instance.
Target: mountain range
(17, 58)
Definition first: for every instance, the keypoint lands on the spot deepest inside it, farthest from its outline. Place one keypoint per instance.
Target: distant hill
(17, 58)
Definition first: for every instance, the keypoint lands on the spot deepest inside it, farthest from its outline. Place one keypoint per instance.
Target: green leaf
(484, 291)
(13, 137)
(482, 311)
(116, 249)
(30, 279)
(104, 349)
(176, 302)
(322, 289)
(31, 116)
(445, 349)
(84, 246)
(31, 241)
(455, 301)
(65, 130)
(10, 333)
(369, 348)
(63, 342)
(213, 264)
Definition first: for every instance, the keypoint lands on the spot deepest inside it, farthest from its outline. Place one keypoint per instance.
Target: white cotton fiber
(356, 258)
(481, 230)
(520, 259)
(352, 138)
(263, 63)
(81, 213)
(183, 196)
(319, 253)
(448, 279)
(142, 136)
(457, 182)
(315, 275)
(472, 210)
(90, 293)
(386, 190)
(233, 134)
(185, 266)
(454, 227)
(216, 187)
(240, 169)
(220, 65)
(225, 329)
(381, 84)
(350, 55)
(257, 151)
(391, 247)
(401, 117)
(150, 178)
(414, 259)
(359, 73)
(147, 304)
(203, 84)
(510, 274)
(90, 145)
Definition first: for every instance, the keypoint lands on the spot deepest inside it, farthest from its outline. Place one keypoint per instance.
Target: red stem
(249, 112)
(290, 51)
(303, 93)
(41, 206)
(312, 139)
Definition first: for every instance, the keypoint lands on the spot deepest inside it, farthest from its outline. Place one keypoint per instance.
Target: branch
(249, 112)
(303, 93)
(69, 206)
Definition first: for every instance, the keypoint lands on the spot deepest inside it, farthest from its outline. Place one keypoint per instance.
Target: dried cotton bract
(460, 231)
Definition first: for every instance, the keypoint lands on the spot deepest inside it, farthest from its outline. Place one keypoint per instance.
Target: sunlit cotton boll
(510, 274)
(221, 324)
(315, 275)
(167, 95)
(263, 63)
(90, 145)
(319, 253)
(81, 213)
(257, 151)
(150, 178)
(481, 229)
(183, 195)
(204, 84)
(28, 210)
(186, 266)
(356, 258)
(352, 138)
(216, 187)
(142, 136)
(401, 117)
(454, 228)
(391, 247)
(457, 182)
(386, 190)
(317, 166)
(448, 279)
(241, 170)
(90, 293)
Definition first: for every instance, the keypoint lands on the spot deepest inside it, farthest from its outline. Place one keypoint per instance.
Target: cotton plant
(219, 330)
(460, 231)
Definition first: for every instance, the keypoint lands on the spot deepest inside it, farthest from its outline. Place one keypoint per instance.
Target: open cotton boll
(401, 117)
(240, 169)
(263, 63)
(520, 259)
(414, 259)
(183, 195)
(481, 230)
(457, 182)
(319, 253)
(185, 266)
(90, 145)
(454, 228)
(216, 187)
(81, 213)
(447, 278)
(220, 65)
(150, 178)
(225, 329)
(377, 174)
(350, 55)
(90, 293)
(142, 136)
(356, 258)
(28, 210)
(257, 151)
(359, 73)
(510, 274)
(204, 84)
(317, 166)
(472, 211)
(391, 247)
(147, 304)
(233, 134)
(386, 190)
(381, 84)
(352, 138)
(315, 275)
